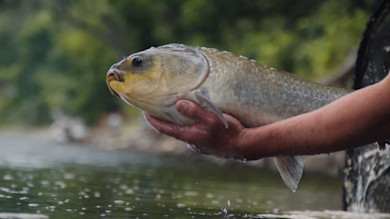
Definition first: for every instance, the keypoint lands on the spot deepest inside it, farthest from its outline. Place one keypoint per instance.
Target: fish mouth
(113, 76)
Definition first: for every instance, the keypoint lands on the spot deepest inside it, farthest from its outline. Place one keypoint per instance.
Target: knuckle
(191, 111)
(214, 123)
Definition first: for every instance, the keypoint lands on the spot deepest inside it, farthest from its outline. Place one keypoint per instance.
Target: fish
(220, 82)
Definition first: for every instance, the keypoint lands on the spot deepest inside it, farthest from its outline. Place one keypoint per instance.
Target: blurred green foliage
(55, 53)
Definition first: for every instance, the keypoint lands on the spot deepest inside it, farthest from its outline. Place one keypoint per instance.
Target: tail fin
(290, 169)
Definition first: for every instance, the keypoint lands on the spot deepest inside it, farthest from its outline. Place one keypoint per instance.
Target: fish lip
(113, 75)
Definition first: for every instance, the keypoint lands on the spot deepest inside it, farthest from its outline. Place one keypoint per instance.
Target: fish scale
(260, 89)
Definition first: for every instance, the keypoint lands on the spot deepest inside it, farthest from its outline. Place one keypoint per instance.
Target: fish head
(157, 77)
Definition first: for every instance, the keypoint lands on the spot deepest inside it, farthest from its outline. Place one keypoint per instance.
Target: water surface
(75, 181)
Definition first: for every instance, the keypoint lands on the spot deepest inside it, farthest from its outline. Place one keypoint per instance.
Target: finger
(158, 124)
(148, 124)
(197, 113)
(186, 133)
(234, 124)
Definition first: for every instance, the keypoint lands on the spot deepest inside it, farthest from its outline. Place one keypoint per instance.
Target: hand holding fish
(208, 135)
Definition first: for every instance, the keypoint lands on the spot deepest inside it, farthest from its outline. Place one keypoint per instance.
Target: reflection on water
(70, 180)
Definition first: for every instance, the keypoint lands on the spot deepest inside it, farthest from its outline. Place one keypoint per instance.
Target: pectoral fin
(290, 169)
(204, 100)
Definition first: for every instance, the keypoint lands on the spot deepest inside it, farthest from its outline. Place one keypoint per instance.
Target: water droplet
(209, 195)
(387, 49)
(5, 189)
(191, 193)
(119, 202)
(180, 205)
(215, 202)
(8, 177)
(69, 176)
(228, 203)
(33, 204)
(61, 184)
(130, 191)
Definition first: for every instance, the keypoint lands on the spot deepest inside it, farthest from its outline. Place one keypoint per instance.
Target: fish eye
(136, 61)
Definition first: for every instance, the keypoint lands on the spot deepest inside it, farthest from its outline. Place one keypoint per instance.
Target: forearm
(354, 120)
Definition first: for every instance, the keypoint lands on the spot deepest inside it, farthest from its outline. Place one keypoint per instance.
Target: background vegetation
(55, 53)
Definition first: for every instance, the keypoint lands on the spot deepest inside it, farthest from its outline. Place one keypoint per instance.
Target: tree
(55, 53)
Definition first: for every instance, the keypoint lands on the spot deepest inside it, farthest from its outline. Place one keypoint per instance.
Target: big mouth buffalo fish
(154, 79)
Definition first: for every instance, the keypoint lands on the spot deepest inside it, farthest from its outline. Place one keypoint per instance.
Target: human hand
(208, 135)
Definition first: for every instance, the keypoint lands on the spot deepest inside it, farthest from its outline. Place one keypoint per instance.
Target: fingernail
(181, 107)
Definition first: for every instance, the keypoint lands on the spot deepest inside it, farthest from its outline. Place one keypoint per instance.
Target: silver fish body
(259, 95)
(220, 82)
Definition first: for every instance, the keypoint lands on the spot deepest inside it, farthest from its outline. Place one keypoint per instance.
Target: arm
(354, 120)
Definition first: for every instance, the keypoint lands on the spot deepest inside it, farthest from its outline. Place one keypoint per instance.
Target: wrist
(250, 145)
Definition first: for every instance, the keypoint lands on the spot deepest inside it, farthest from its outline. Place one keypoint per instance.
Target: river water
(47, 180)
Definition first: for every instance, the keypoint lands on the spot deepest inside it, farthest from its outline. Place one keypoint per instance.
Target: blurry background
(55, 54)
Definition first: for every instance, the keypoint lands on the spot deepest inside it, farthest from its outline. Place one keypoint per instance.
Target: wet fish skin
(260, 95)
(218, 81)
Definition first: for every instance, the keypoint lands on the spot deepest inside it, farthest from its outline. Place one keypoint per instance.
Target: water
(75, 181)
